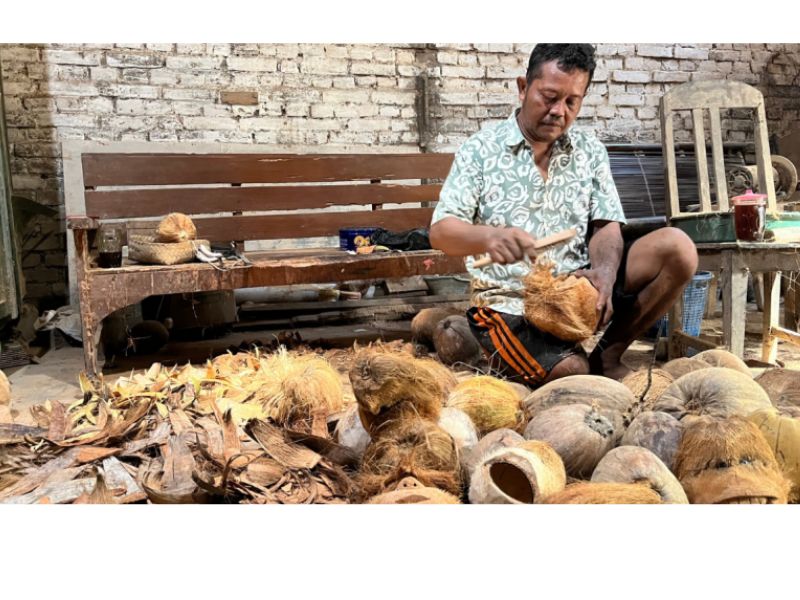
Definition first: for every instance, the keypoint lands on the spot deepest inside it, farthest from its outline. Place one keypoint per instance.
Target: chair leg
(758, 290)
(772, 296)
(90, 328)
(734, 302)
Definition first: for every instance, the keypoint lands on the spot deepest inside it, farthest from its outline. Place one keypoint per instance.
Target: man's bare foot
(608, 364)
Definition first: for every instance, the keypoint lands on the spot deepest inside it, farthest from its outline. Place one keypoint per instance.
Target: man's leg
(658, 267)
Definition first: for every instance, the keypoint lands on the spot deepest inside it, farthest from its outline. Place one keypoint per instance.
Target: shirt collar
(514, 138)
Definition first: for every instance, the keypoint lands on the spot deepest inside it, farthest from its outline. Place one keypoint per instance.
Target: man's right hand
(507, 245)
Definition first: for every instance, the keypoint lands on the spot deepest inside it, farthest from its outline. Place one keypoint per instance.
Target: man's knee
(677, 252)
(575, 364)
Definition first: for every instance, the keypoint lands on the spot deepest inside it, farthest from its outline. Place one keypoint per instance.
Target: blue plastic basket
(694, 305)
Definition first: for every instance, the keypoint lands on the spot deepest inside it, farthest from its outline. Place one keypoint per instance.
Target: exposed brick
(141, 61)
(625, 100)
(670, 76)
(657, 51)
(691, 53)
(236, 63)
(631, 76)
(369, 68)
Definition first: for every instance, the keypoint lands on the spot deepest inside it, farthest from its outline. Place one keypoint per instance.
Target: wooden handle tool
(539, 246)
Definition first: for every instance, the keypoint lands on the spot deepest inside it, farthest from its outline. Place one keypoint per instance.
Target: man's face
(551, 102)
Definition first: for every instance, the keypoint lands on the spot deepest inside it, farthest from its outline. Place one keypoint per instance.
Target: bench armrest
(83, 223)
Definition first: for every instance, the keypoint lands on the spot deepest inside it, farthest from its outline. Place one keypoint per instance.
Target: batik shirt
(494, 181)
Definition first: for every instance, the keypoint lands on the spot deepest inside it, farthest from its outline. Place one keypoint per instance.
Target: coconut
(424, 324)
(647, 386)
(722, 358)
(235, 364)
(579, 433)
(659, 432)
(5, 390)
(411, 491)
(445, 376)
(631, 464)
(500, 438)
(392, 386)
(611, 397)
(605, 493)
(782, 386)
(350, 431)
(460, 427)
(782, 433)
(516, 476)
(679, 367)
(454, 342)
(491, 403)
(728, 461)
(563, 306)
(176, 227)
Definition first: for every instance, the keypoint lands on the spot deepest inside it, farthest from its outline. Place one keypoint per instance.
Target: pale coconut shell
(455, 343)
(500, 438)
(350, 431)
(514, 476)
(716, 391)
(658, 432)
(632, 464)
(782, 386)
(5, 390)
(579, 433)
(722, 358)
(782, 433)
(647, 387)
(175, 227)
(491, 403)
(679, 367)
(605, 493)
(460, 427)
(564, 306)
(425, 321)
(411, 491)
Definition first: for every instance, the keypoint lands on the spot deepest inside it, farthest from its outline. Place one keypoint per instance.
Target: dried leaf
(272, 440)
(58, 422)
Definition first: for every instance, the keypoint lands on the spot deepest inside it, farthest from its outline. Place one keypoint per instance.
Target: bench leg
(90, 329)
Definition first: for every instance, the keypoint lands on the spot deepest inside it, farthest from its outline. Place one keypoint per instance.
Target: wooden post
(734, 301)
(772, 296)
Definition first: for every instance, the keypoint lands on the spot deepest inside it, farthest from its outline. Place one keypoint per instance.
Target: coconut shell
(515, 476)
(350, 431)
(411, 491)
(5, 390)
(455, 343)
(563, 306)
(424, 323)
(679, 367)
(722, 358)
(175, 227)
(782, 386)
(647, 386)
(460, 427)
(782, 433)
(716, 391)
(579, 433)
(724, 461)
(631, 464)
(500, 438)
(491, 403)
(658, 432)
(605, 493)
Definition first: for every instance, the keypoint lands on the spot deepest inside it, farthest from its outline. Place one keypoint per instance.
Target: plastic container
(351, 238)
(694, 304)
(749, 216)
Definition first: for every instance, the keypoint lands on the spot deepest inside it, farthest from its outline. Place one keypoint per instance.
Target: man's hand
(509, 244)
(603, 281)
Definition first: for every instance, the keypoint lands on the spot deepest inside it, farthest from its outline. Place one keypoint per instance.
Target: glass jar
(749, 216)
(109, 246)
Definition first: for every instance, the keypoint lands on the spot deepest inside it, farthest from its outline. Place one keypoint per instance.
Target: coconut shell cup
(516, 476)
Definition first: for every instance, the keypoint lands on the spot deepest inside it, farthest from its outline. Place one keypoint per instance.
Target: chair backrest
(713, 96)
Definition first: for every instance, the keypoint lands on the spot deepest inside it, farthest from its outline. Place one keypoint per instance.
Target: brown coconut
(516, 476)
(411, 491)
(460, 427)
(782, 433)
(716, 391)
(491, 403)
(658, 432)
(445, 376)
(564, 306)
(579, 433)
(679, 367)
(722, 358)
(424, 323)
(5, 390)
(176, 227)
(410, 448)
(647, 385)
(782, 386)
(455, 343)
(500, 438)
(350, 431)
(631, 464)
(728, 461)
(392, 386)
(605, 493)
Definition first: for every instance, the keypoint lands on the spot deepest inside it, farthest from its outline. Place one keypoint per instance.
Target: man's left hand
(603, 281)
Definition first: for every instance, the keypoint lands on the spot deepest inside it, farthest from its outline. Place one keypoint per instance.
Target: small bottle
(109, 246)
(749, 216)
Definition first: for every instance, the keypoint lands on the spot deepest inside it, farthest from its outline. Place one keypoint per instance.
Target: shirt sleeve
(605, 202)
(462, 188)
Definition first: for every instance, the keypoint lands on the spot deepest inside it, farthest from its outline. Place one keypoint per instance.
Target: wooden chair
(733, 260)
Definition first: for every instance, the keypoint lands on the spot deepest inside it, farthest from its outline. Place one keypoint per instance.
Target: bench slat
(187, 169)
(118, 204)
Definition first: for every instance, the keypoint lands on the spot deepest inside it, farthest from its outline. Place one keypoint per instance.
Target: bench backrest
(219, 190)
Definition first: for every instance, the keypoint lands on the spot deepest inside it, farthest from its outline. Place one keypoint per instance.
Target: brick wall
(304, 95)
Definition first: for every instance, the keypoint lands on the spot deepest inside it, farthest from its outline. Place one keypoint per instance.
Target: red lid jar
(749, 216)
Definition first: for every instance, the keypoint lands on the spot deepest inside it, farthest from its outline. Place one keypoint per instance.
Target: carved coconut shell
(455, 343)
(515, 476)
(411, 491)
(175, 227)
(782, 433)
(500, 438)
(579, 433)
(491, 403)
(722, 358)
(782, 386)
(460, 427)
(424, 323)
(679, 367)
(605, 493)
(716, 392)
(658, 432)
(632, 464)
(350, 431)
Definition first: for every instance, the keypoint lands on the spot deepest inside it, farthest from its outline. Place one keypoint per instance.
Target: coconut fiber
(605, 493)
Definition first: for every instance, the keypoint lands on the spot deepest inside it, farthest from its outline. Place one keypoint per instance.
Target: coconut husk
(782, 433)
(646, 385)
(564, 306)
(410, 448)
(445, 376)
(491, 403)
(454, 342)
(717, 357)
(516, 476)
(659, 432)
(460, 427)
(724, 461)
(631, 464)
(175, 227)
(350, 431)
(782, 386)
(605, 493)
(392, 387)
(679, 367)
(5, 390)
(424, 324)
(411, 491)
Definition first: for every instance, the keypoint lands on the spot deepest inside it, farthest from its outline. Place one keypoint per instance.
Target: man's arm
(605, 255)
(459, 238)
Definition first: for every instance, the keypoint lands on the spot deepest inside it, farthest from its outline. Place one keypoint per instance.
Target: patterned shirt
(494, 181)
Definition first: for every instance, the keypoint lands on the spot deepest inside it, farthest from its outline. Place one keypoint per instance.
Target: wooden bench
(227, 195)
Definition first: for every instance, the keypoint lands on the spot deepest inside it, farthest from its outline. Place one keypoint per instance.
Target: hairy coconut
(632, 464)
(410, 448)
(411, 491)
(716, 391)
(491, 403)
(500, 438)
(579, 433)
(679, 367)
(460, 427)
(515, 476)
(783, 436)
(647, 385)
(350, 431)
(176, 227)
(659, 432)
(5, 390)
(728, 461)
(455, 343)
(782, 386)
(393, 386)
(235, 364)
(611, 397)
(424, 323)
(446, 377)
(605, 493)
(563, 306)
(722, 358)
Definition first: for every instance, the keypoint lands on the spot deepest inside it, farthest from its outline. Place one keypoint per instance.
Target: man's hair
(569, 57)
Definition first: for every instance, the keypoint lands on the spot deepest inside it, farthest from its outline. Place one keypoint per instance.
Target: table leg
(734, 302)
(772, 297)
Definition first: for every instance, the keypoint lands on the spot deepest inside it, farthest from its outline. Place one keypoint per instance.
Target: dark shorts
(518, 351)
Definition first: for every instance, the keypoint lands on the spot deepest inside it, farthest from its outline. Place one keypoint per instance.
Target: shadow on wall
(780, 84)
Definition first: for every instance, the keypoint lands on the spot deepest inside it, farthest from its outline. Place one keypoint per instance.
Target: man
(531, 176)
